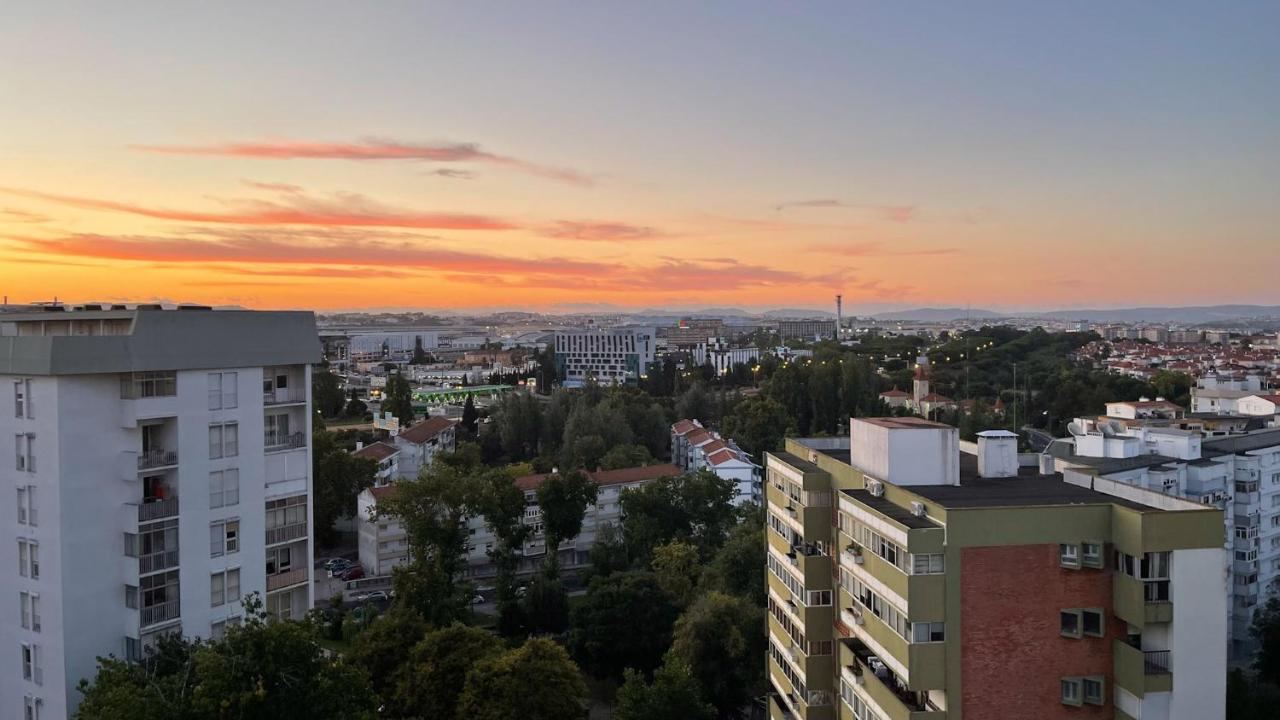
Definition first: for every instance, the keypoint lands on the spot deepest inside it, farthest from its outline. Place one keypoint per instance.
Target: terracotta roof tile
(427, 429)
(376, 451)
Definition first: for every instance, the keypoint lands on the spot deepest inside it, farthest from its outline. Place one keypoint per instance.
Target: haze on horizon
(547, 155)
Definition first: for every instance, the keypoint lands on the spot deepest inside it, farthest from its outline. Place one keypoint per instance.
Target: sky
(557, 155)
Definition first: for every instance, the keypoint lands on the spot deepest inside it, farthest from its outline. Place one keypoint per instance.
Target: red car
(355, 572)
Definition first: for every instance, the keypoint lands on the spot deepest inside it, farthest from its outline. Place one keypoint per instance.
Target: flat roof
(898, 514)
(1064, 449)
(904, 423)
(981, 492)
(796, 462)
(1240, 443)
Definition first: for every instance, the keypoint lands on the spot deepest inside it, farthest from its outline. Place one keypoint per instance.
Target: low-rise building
(421, 443)
(381, 540)
(695, 448)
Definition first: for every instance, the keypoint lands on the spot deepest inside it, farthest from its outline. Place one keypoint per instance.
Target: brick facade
(1013, 654)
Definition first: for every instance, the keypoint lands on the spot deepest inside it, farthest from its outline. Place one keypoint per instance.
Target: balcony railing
(284, 441)
(283, 397)
(156, 562)
(157, 509)
(1156, 662)
(286, 533)
(285, 579)
(150, 459)
(163, 612)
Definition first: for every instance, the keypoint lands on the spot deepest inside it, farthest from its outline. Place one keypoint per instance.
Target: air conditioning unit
(917, 509)
(876, 488)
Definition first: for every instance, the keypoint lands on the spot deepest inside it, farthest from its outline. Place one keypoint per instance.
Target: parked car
(374, 596)
(522, 591)
(355, 572)
(339, 566)
(477, 599)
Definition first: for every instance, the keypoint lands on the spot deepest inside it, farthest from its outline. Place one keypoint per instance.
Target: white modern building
(382, 542)
(610, 356)
(161, 470)
(695, 448)
(418, 446)
(722, 356)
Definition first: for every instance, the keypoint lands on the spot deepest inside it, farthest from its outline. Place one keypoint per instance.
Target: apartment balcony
(287, 579)
(156, 509)
(887, 691)
(1139, 602)
(162, 613)
(284, 397)
(279, 442)
(286, 533)
(155, 562)
(157, 459)
(925, 662)
(1142, 671)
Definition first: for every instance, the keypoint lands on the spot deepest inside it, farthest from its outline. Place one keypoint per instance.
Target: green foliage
(1249, 697)
(758, 424)
(695, 404)
(261, 671)
(1265, 629)
(432, 680)
(337, 478)
(630, 605)
(678, 569)
(383, 647)
(696, 507)
(326, 393)
(625, 456)
(518, 422)
(578, 427)
(502, 505)
(563, 499)
(722, 640)
(397, 399)
(608, 553)
(674, 693)
(536, 681)
(738, 567)
(546, 606)
(470, 416)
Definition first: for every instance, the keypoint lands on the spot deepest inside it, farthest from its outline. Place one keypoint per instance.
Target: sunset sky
(549, 155)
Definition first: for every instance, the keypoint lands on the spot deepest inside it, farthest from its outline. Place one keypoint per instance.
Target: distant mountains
(1196, 314)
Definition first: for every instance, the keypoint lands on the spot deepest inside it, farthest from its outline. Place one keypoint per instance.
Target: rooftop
(376, 451)
(426, 429)
(891, 511)
(905, 423)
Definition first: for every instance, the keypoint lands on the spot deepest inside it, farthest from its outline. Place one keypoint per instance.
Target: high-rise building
(161, 469)
(914, 577)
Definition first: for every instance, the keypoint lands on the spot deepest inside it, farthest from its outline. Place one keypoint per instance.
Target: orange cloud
(892, 213)
(570, 230)
(10, 215)
(873, 249)
(369, 150)
(342, 210)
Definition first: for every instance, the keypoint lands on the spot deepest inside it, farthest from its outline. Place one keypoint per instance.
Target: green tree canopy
(563, 499)
(432, 680)
(337, 478)
(536, 681)
(678, 569)
(674, 693)
(383, 648)
(738, 567)
(625, 456)
(630, 605)
(326, 393)
(696, 507)
(397, 399)
(758, 424)
(722, 640)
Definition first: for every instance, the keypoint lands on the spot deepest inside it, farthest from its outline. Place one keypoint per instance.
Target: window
(29, 559)
(279, 560)
(24, 450)
(22, 506)
(1071, 691)
(159, 589)
(1070, 623)
(222, 391)
(1092, 623)
(928, 632)
(1091, 553)
(1069, 555)
(131, 597)
(224, 537)
(224, 440)
(224, 587)
(282, 382)
(30, 610)
(929, 564)
(224, 488)
(1092, 690)
(33, 706)
(31, 663)
(22, 398)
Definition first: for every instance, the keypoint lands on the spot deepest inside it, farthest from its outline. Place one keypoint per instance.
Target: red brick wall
(1013, 654)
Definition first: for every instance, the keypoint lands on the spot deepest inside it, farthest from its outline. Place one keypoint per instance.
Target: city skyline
(666, 156)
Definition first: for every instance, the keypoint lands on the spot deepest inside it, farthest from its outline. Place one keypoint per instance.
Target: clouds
(290, 208)
(9, 215)
(878, 249)
(892, 213)
(371, 150)
(600, 231)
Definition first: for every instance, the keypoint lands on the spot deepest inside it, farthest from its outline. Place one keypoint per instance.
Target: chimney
(997, 454)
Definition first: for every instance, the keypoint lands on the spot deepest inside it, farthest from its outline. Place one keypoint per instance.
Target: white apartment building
(418, 446)
(722, 356)
(1239, 474)
(610, 356)
(382, 542)
(695, 448)
(161, 472)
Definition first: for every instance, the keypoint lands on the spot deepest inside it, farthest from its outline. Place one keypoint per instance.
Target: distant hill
(939, 314)
(1190, 314)
(798, 313)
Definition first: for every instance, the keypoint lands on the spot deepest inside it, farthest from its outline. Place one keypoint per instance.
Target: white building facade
(612, 356)
(161, 469)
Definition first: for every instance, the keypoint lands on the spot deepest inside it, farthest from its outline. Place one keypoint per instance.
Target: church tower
(920, 386)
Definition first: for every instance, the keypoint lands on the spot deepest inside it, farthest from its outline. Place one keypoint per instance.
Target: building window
(1091, 622)
(222, 391)
(1092, 687)
(1091, 553)
(1071, 691)
(928, 564)
(224, 440)
(1070, 623)
(30, 609)
(131, 597)
(928, 632)
(32, 708)
(279, 560)
(224, 488)
(29, 559)
(1069, 555)
(24, 449)
(224, 537)
(31, 664)
(22, 398)
(224, 587)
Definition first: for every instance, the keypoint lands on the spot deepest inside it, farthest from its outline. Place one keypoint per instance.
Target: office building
(914, 577)
(807, 330)
(608, 356)
(161, 469)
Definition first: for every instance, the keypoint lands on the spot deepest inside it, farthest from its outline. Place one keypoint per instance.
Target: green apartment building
(914, 577)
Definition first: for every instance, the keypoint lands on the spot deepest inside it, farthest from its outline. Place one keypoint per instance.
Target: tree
(536, 681)
(678, 570)
(470, 416)
(431, 682)
(625, 456)
(546, 606)
(502, 505)
(1266, 631)
(674, 693)
(397, 399)
(259, 670)
(629, 605)
(563, 498)
(517, 419)
(720, 639)
(356, 408)
(694, 404)
(326, 393)
(758, 424)
(696, 507)
(608, 553)
(383, 648)
(337, 478)
(738, 567)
